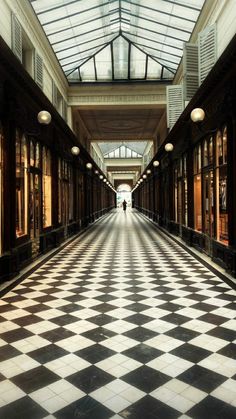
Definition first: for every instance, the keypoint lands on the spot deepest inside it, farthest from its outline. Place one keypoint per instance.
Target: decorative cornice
(158, 99)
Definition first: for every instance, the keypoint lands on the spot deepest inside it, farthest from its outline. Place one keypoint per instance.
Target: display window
(221, 186)
(197, 189)
(65, 192)
(181, 191)
(47, 188)
(210, 187)
(21, 185)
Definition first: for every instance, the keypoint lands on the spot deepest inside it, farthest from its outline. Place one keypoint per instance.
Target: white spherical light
(149, 171)
(101, 177)
(44, 117)
(144, 176)
(89, 165)
(197, 115)
(169, 147)
(156, 163)
(75, 150)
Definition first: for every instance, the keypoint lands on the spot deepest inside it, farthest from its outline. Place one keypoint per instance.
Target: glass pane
(47, 191)
(197, 203)
(21, 186)
(120, 52)
(222, 231)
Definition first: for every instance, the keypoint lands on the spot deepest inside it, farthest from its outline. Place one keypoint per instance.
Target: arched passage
(123, 192)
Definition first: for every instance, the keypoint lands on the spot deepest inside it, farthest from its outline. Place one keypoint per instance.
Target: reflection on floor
(122, 323)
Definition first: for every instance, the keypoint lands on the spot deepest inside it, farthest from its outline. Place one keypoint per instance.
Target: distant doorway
(123, 192)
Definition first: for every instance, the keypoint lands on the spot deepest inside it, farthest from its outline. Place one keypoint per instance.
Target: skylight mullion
(151, 40)
(83, 43)
(82, 52)
(158, 11)
(146, 68)
(155, 22)
(158, 50)
(95, 69)
(112, 61)
(76, 13)
(157, 33)
(80, 24)
(80, 35)
(186, 6)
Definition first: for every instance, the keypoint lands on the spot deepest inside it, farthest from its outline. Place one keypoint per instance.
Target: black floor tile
(175, 318)
(7, 352)
(182, 333)
(223, 333)
(23, 408)
(140, 334)
(35, 379)
(16, 334)
(229, 350)
(146, 379)
(212, 408)
(101, 319)
(191, 353)
(149, 408)
(202, 378)
(90, 379)
(139, 319)
(85, 408)
(98, 334)
(142, 353)
(212, 318)
(57, 334)
(47, 353)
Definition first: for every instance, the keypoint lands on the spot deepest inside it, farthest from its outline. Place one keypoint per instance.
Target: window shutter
(190, 68)
(16, 37)
(64, 110)
(38, 70)
(175, 104)
(54, 94)
(207, 51)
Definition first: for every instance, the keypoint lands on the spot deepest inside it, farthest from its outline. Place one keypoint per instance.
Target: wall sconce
(149, 171)
(141, 180)
(75, 150)
(101, 177)
(104, 180)
(156, 163)
(169, 147)
(44, 117)
(96, 172)
(144, 176)
(89, 166)
(197, 115)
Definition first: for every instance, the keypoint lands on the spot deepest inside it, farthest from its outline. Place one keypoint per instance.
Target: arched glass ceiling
(109, 40)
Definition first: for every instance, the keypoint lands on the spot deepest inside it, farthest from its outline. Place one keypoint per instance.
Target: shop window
(221, 187)
(21, 185)
(63, 192)
(1, 188)
(71, 194)
(197, 189)
(47, 188)
(185, 190)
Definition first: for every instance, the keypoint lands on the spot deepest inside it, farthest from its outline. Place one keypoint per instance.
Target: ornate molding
(159, 99)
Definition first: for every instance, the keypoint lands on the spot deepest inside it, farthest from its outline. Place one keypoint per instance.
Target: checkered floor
(122, 323)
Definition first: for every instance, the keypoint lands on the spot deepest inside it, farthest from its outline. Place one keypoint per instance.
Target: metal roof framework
(118, 40)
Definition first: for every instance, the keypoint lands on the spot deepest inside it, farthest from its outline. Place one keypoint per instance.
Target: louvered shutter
(64, 110)
(175, 104)
(38, 70)
(16, 37)
(54, 94)
(207, 51)
(190, 70)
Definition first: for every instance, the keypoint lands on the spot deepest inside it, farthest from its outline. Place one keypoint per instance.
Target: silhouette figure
(124, 205)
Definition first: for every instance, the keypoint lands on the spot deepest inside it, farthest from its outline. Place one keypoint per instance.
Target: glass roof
(109, 147)
(112, 40)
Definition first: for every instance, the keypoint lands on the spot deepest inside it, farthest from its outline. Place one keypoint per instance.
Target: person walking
(124, 205)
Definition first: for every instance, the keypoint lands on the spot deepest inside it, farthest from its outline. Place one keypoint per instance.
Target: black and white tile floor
(122, 323)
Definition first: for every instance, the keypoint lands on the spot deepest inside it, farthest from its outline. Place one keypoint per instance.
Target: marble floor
(122, 323)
